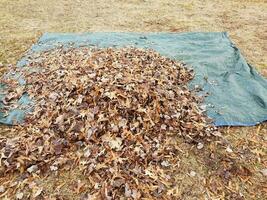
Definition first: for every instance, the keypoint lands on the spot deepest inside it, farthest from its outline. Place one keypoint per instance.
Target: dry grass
(219, 174)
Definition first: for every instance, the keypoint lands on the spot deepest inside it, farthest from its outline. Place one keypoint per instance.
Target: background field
(219, 173)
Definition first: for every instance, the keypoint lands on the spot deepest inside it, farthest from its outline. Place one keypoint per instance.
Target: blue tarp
(237, 94)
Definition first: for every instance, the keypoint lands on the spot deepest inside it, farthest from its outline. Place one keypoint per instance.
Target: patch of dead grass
(22, 22)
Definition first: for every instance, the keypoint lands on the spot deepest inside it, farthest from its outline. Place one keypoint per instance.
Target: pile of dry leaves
(120, 110)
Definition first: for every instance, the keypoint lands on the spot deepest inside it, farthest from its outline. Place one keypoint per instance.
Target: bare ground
(220, 174)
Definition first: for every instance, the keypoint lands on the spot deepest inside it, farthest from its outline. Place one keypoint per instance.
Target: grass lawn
(214, 172)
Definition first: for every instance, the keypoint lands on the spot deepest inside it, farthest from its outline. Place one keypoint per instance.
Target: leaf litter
(119, 110)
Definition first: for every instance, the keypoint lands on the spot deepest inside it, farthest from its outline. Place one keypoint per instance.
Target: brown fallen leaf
(115, 112)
